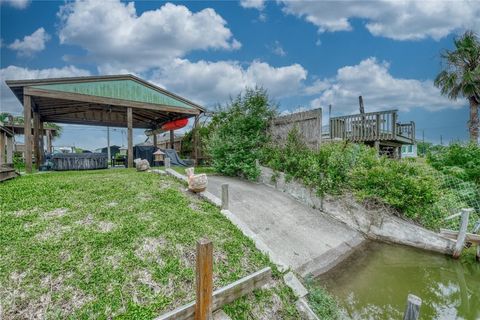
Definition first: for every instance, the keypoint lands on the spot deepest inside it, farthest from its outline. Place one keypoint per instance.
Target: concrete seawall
(376, 224)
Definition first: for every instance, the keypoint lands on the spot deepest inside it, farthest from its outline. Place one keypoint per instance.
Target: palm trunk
(473, 123)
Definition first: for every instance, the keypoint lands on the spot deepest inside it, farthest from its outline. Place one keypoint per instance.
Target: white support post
(225, 196)
(462, 233)
(412, 312)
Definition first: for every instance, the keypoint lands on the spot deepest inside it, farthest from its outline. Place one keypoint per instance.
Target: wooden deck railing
(372, 126)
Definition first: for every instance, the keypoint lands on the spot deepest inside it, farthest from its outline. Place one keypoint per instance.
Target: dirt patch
(149, 249)
(53, 232)
(87, 221)
(106, 226)
(56, 213)
(112, 204)
(29, 301)
(144, 196)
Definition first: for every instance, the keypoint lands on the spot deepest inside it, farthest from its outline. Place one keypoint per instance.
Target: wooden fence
(308, 123)
(207, 301)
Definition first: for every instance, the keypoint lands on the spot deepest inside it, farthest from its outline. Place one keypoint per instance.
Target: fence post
(225, 196)
(412, 312)
(204, 280)
(462, 233)
(167, 163)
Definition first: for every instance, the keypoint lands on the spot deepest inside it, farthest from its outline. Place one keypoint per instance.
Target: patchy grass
(117, 244)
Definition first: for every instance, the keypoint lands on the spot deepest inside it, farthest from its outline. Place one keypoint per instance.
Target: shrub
(413, 188)
(459, 160)
(239, 132)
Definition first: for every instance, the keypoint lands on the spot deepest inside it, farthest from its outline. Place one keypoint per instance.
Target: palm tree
(461, 76)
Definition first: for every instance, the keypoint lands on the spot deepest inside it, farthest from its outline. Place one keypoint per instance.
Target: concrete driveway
(299, 236)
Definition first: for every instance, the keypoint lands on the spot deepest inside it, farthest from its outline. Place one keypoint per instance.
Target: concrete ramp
(301, 237)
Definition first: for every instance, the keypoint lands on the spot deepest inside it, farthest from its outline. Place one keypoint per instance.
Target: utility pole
(441, 140)
(108, 146)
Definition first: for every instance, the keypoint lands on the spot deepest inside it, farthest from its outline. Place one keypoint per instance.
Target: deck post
(462, 233)
(172, 139)
(36, 138)
(9, 149)
(27, 118)
(377, 146)
(225, 199)
(412, 312)
(3, 136)
(130, 137)
(204, 280)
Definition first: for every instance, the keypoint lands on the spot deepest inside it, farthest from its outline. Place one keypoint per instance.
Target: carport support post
(155, 141)
(3, 136)
(36, 138)
(9, 149)
(130, 137)
(27, 118)
(41, 146)
(49, 141)
(172, 139)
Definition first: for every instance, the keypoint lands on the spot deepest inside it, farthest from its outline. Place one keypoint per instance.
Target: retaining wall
(376, 224)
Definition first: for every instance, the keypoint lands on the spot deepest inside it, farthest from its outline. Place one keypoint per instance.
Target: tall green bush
(413, 188)
(240, 132)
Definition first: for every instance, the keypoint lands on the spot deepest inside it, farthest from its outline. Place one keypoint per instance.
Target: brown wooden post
(41, 145)
(172, 139)
(9, 149)
(195, 139)
(27, 117)
(203, 305)
(155, 140)
(36, 138)
(49, 141)
(130, 137)
(2, 147)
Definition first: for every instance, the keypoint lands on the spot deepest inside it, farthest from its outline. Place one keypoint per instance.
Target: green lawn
(117, 243)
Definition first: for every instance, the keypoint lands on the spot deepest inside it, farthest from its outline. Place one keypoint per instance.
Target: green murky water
(374, 283)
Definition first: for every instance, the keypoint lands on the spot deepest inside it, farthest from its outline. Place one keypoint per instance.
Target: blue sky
(306, 54)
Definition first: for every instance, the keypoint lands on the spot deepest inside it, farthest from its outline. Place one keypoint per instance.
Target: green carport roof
(102, 100)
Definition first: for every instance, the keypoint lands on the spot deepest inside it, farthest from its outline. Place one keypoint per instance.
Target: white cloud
(399, 20)
(211, 82)
(31, 44)
(9, 103)
(380, 90)
(277, 49)
(113, 33)
(253, 4)
(18, 4)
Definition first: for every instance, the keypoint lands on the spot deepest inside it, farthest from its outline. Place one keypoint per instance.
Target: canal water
(374, 283)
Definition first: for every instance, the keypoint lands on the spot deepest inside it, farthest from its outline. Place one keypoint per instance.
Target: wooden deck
(373, 127)
(7, 173)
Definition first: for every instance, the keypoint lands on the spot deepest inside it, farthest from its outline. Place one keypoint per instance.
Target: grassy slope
(117, 243)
